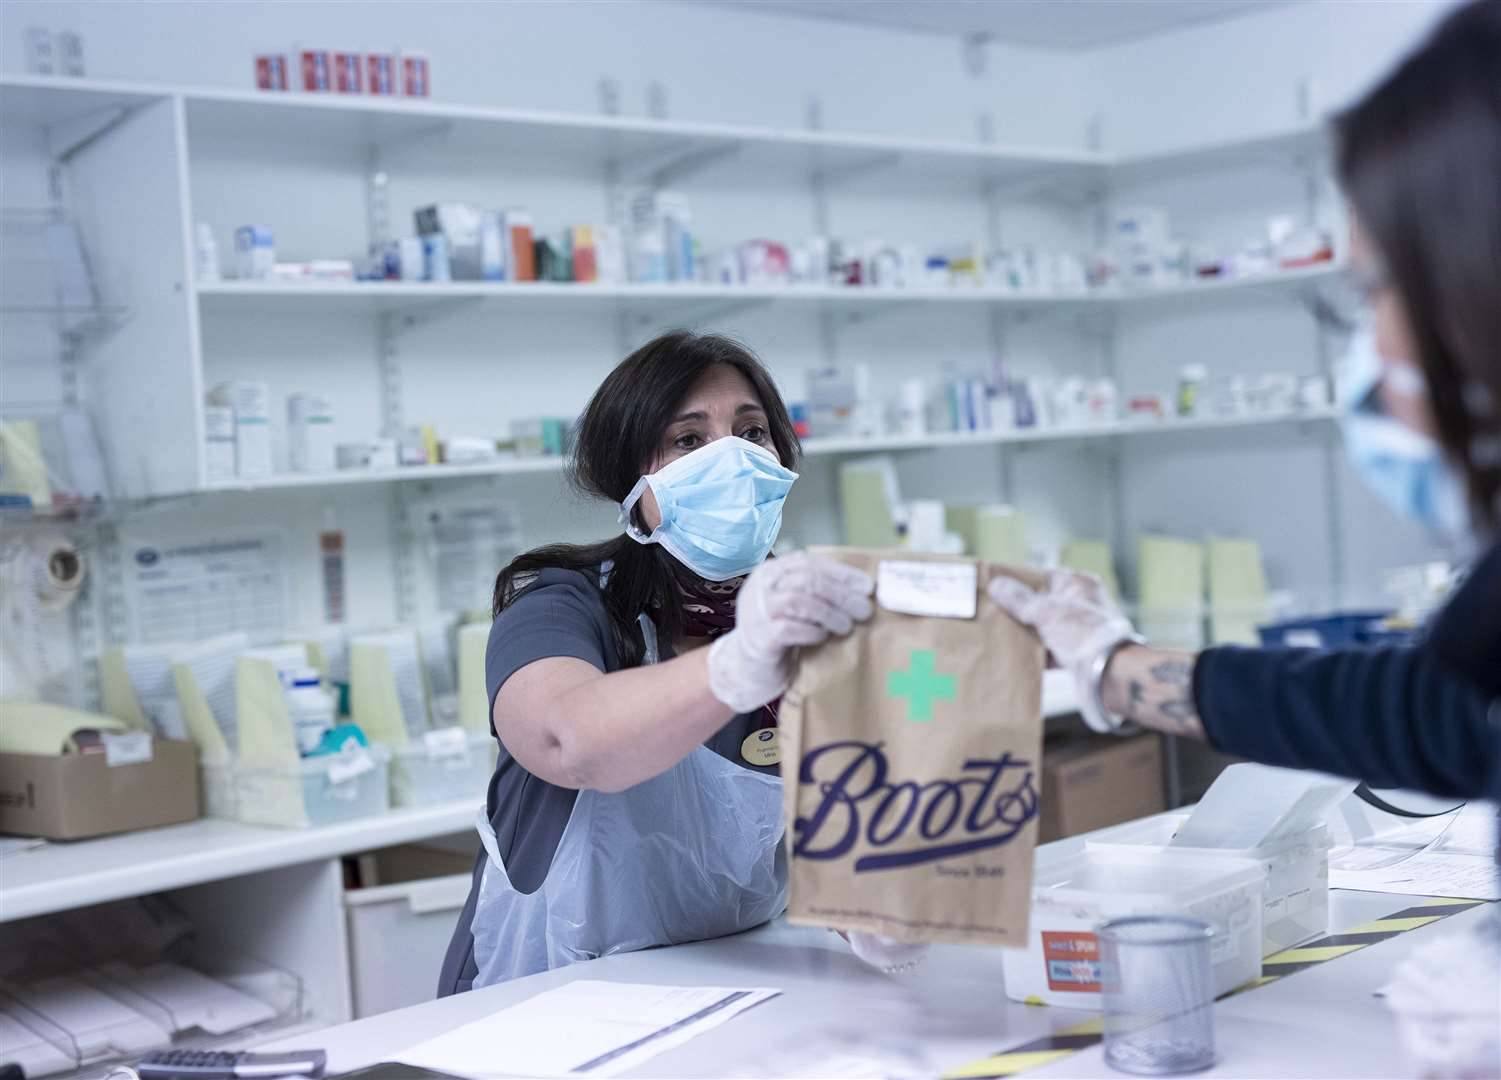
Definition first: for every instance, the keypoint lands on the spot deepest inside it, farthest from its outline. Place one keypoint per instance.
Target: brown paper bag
(911, 758)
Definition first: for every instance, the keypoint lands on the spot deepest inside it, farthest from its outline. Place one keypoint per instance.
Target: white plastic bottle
(309, 706)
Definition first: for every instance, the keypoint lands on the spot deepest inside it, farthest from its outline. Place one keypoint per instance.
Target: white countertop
(69, 874)
(1323, 1021)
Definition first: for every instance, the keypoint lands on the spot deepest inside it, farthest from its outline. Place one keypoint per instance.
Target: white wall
(1243, 76)
(471, 370)
(723, 65)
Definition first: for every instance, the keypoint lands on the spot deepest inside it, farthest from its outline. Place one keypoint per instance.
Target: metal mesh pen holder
(1158, 994)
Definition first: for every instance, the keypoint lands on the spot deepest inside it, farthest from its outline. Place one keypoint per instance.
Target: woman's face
(1403, 388)
(721, 403)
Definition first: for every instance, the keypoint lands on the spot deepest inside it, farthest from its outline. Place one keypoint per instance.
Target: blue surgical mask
(721, 507)
(1404, 467)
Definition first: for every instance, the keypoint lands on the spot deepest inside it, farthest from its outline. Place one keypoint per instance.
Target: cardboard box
(76, 795)
(1089, 782)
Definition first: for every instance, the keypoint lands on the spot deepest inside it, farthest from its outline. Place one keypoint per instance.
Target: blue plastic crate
(1336, 631)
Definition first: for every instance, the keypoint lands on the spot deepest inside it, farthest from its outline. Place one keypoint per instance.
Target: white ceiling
(1046, 24)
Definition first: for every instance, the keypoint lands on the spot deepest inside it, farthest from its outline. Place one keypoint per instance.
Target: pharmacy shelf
(506, 467)
(1113, 430)
(813, 447)
(262, 297)
(61, 876)
(409, 295)
(56, 877)
(634, 145)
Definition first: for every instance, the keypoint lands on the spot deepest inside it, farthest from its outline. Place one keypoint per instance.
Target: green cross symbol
(921, 685)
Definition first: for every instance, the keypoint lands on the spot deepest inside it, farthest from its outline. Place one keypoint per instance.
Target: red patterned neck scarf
(708, 606)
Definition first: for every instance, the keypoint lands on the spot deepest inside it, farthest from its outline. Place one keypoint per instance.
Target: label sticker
(1073, 961)
(126, 748)
(446, 742)
(945, 590)
(348, 765)
(761, 747)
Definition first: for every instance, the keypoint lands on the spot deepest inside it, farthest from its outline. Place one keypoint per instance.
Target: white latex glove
(797, 600)
(1076, 620)
(1444, 997)
(887, 954)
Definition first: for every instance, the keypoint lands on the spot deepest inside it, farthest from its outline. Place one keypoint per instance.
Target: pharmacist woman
(634, 683)
(1420, 159)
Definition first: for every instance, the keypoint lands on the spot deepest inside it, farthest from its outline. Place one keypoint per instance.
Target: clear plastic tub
(1072, 895)
(317, 790)
(221, 799)
(446, 764)
(1295, 905)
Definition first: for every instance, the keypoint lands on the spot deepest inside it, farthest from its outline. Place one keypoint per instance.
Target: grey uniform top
(561, 614)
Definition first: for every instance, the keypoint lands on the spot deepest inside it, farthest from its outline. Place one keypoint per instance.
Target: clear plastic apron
(692, 854)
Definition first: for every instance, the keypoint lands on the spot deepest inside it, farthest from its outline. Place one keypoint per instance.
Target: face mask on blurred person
(1404, 467)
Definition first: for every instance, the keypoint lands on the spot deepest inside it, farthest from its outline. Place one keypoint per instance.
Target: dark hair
(614, 442)
(1420, 158)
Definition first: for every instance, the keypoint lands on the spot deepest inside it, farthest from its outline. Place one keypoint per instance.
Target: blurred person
(1419, 158)
(1420, 161)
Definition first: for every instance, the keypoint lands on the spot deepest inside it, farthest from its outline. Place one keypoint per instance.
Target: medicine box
(310, 433)
(320, 790)
(251, 404)
(1073, 894)
(445, 765)
(1295, 903)
(219, 442)
(255, 252)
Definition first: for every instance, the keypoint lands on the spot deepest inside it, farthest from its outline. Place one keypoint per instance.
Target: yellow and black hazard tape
(1070, 1040)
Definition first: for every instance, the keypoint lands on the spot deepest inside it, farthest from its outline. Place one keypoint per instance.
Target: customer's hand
(797, 600)
(1077, 621)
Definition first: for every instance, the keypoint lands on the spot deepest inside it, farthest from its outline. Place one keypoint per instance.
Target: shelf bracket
(668, 167)
(875, 162)
(412, 316)
(68, 138)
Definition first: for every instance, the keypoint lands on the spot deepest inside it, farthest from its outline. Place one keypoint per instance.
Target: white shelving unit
(139, 138)
(813, 447)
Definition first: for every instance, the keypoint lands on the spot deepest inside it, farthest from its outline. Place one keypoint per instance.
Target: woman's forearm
(572, 726)
(1153, 687)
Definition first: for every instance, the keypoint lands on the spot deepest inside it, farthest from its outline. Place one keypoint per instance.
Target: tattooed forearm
(1153, 687)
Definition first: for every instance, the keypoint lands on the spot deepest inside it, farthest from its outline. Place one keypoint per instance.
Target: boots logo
(984, 807)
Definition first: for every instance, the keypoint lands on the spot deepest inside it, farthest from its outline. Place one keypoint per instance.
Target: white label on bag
(348, 765)
(946, 590)
(446, 742)
(127, 748)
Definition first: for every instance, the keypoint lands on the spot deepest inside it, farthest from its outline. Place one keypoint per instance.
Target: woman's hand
(785, 603)
(1079, 622)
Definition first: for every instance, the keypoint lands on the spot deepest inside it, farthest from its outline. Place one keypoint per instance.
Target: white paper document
(1428, 873)
(586, 1028)
(1453, 857)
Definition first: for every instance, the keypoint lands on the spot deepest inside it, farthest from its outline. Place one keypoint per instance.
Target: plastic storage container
(444, 765)
(399, 925)
(397, 936)
(1072, 895)
(221, 799)
(1335, 631)
(320, 790)
(1295, 904)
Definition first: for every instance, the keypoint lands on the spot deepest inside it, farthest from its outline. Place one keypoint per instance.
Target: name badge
(760, 747)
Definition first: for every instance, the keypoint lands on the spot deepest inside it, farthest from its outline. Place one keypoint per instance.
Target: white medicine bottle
(309, 707)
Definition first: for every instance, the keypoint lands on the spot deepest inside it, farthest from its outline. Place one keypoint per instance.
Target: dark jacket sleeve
(1392, 717)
